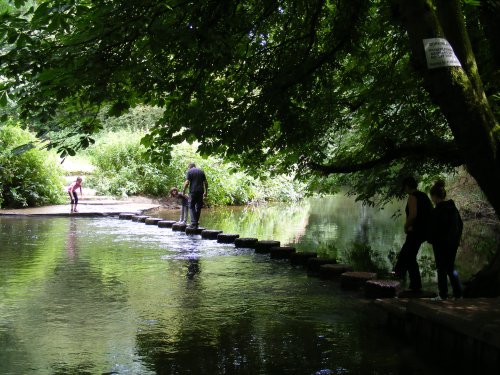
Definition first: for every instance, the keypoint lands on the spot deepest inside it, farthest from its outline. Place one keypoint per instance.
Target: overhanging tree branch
(444, 152)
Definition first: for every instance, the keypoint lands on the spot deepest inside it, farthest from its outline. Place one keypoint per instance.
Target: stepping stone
(152, 221)
(333, 271)
(126, 216)
(300, 259)
(194, 230)
(142, 219)
(166, 223)
(264, 247)
(209, 234)
(226, 238)
(355, 280)
(179, 227)
(381, 288)
(313, 265)
(413, 294)
(282, 252)
(138, 217)
(248, 243)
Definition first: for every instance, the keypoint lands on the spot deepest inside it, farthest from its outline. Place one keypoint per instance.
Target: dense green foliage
(284, 85)
(122, 168)
(31, 178)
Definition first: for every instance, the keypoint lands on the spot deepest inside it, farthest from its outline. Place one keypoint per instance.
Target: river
(108, 296)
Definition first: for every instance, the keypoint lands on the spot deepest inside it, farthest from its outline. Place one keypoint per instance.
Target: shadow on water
(92, 296)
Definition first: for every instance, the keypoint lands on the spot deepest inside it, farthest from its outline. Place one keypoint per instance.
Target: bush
(30, 178)
(122, 168)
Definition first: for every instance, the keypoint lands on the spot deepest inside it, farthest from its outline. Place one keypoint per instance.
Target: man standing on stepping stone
(198, 188)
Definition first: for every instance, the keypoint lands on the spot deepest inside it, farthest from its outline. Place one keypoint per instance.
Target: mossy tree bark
(460, 95)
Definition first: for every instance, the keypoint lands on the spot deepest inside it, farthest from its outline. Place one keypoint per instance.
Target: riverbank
(96, 206)
(463, 335)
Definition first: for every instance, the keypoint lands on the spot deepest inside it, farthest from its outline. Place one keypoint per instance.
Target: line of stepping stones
(326, 268)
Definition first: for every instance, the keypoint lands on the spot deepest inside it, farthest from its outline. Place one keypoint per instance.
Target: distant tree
(331, 86)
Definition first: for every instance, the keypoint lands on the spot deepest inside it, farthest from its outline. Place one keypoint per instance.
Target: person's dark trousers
(445, 264)
(407, 261)
(196, 203)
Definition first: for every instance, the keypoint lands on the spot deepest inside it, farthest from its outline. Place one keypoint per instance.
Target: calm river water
(106, 296)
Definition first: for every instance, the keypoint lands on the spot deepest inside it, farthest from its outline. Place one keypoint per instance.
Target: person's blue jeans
(445, 264)
(196, 203)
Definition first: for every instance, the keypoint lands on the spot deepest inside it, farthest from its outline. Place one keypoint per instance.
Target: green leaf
(3, 99)
(19, 3)
(118, 108)
(22, 40)
(147, 140)
(49, 74)
(41, 11)
(12, 36)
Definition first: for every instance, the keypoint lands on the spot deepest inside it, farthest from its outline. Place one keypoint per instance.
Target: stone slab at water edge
(126, 216)
(227, 238)
(179, 227)
(137, 218)
(333, 271)
(246, 242)
(313, 265)
(301, 258)
(166, 223)
(382, 288)
(152, 221)
(264, 247)
(281, 252)
(355, 280)
(194, 231)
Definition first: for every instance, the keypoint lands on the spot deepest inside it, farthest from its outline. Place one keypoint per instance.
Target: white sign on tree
(439, 53)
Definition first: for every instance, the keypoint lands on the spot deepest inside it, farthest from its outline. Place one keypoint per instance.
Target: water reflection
(71, 243)
(193, 268)
(366, 237)
(90, 296)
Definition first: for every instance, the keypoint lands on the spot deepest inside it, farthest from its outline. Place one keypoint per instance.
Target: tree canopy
(311, 85)
(314, 86)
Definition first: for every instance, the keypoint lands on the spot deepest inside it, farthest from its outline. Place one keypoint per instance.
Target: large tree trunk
(459, 93)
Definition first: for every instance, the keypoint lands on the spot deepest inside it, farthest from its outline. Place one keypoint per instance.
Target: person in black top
(444, 235)
(198, 188)
(418, 209)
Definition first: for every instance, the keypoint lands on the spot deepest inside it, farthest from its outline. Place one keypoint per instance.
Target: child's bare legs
(74, 200)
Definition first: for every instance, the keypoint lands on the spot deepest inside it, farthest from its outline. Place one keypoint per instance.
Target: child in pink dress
(72, 193)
